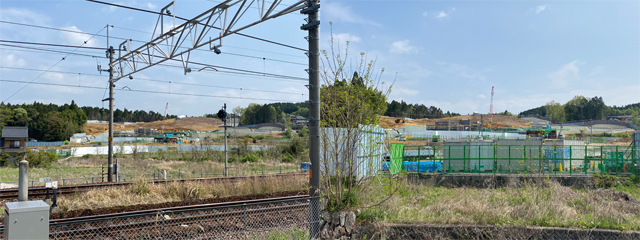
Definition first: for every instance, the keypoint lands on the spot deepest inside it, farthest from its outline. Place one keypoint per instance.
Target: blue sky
(445, 53)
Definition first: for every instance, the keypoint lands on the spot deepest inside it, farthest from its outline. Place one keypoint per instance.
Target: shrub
(41, 159)
(288, 158)
(250, 158)
(86, 156)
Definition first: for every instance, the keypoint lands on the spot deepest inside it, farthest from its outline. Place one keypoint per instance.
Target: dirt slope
(192, 124)
(389, 122)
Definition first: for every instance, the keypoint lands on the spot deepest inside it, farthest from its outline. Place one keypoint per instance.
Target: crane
(491, 110)
(165, 116)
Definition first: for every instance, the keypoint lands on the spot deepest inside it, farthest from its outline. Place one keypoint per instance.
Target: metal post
(509, 159)
(23, 185)
(464, 158)
(312, 25)
(116, 172)
(584, 161)
(617, 160)
(449, 157)
(570, 161)
(524, 158)
(111, 85)
(224, 120)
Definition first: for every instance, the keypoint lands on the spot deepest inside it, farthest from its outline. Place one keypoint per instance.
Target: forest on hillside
(50, 122)
(582, 108)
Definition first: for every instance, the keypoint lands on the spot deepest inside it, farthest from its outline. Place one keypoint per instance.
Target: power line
(134, 40)
(155, 80)
(221, 72)
(145, 91)
(184, 19)
(191, 62)
(85, 42)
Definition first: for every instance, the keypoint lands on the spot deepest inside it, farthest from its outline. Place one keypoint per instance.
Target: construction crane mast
(165, 116)
(491, 110)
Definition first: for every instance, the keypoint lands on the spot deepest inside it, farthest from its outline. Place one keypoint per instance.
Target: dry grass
(534, 205)
(147, 193)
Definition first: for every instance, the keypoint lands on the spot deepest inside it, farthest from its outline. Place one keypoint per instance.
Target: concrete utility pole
(314, 112)
(23, 184)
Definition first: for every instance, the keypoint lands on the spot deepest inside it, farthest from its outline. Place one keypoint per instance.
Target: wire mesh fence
(233, 172)
(523, 159)
(284, 219)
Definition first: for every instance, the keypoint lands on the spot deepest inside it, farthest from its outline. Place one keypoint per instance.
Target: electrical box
(26, 220)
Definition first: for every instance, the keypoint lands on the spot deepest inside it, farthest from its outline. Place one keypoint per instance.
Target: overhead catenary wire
(184, 19)
(140, 41)
(62, 59)
(155, 80)
(190, 62)
(145, 91)
(219, 72)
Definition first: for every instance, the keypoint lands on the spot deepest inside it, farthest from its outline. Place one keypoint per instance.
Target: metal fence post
(570, 161)
(464, 158)
(584, 163)
(245, 220)
(509, 159)
(617, 161)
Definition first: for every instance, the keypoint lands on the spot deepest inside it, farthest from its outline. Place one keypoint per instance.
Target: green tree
(555, 111)
(350, 100)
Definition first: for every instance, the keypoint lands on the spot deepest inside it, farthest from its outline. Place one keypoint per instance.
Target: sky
(447, 54)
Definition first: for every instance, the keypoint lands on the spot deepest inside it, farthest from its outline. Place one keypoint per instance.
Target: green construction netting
(397, 154)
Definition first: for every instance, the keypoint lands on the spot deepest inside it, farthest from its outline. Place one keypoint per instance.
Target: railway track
(247, 219)
(41, 192)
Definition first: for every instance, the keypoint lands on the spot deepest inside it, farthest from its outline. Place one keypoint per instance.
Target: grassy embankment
(542, 204)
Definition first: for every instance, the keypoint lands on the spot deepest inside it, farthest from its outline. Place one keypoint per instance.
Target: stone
(326, 233)
(338, 232)
(357, 212)
(326, 216)
(166, 217)
(344, 238)
(335, 219)
(342, 216)
(349, 221)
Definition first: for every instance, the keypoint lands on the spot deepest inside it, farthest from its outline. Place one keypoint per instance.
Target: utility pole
(314, 113)
(111, 85)
(226, 172)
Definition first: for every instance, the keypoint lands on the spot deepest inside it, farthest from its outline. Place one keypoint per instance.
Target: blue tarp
(425, 166)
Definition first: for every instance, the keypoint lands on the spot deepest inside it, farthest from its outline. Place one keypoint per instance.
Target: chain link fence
(284, 219)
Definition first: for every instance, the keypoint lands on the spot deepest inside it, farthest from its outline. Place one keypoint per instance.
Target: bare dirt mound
(119, 209)
(502, 121)
(184, 124)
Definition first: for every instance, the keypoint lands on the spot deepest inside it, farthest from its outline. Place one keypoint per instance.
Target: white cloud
(565, 74)
(424, 14)
(151, 5)
(11, 61)
(596, 70)
(482, 96)
(77, 39)
(465, 72)
(441, 15)
(340, 13)
(344, 37)
(405, 91)
(22, 16)
(540, 8)
(402, 47)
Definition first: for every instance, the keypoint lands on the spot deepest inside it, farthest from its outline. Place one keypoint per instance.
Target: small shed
(14, 139)
(367, 143)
